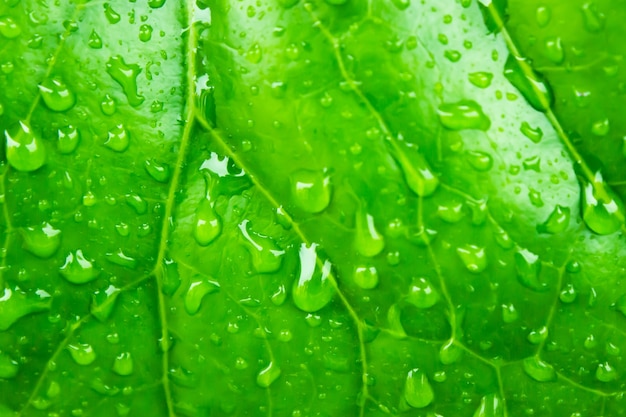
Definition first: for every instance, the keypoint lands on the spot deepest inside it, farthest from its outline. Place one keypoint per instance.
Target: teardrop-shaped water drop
(170, 277)
(543, 15)
(136, 202)
(418, 392)
(539, 370)
(103, 301)
(603, 211)
(418, 174)
(310, 190)
(24, 150)
(474, 258)
(196, 292)
(121, 258)
(313, 289)
(77, 269)
(366, 277)
(490, 406)
(123, 364)
(367, 240)
(8, 369)
(557, 222)
(422, 294)
(207, 224)
(528, 267)
(268, 375)
(82, 353)
(265, 254)
(42, 241)
(15, 304)
(118, 138)
(464, 114)
(68, 139)
(94, 41)
(533, 87)
(126, 77)
(56, 94)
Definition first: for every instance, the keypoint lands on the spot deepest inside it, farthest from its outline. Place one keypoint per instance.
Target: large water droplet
(145, 32)
(82, 353)
(118, 139)
(450, 352)
(156, 4)
(196, 292)
(160, 172)
(422, 294)
(126, 76)
(78, 269)
(480, 79)
(57, 95)
(539, 370)
(480, 161)
(123, 364)
(103, 301)
(490, 406)
(531, 85)
(9, 27)
(268, 375)
(207, 225)
(111, 15)
(417, 390)
(464, 114)
(557, 221)
(68, 139)
(8, 369)
(474, 258)
(313, 289)
(15, 304)
(367, 240)
(418, 175)
(25, 151)
(366, 277)
(534, 134)
(42, 241)
(553, 50)
(94, 41)
(603, 211)
(528, 267)
(310, 190)
(606, 372)
(265, 254)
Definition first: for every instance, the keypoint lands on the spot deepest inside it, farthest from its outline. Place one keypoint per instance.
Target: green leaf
(309, 209)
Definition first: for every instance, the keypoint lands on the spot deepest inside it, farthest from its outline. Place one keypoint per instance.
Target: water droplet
(450, 353)
(554, 50)
(452, 55)
(196, 292)
(56, 95)
(401, 4)
(532, 86)
(8, 369)
(268, 375)
(103, 301)
(9, 27)
(602, 210)
(126, 76)
(538, 336)
(464, 114)
(68, 139)
(77, 269)
(612, 349)
(207, 226)
(265, 254)
(606, 373)
(42, 241)
(592, 18)
(367, 240)
(418, 175)
(568, 294)
(279, 296)
(474, 258)
(509, 313)
(480, 161)
(111, 15)
(310, 190)
(313, 289)
(122, 259)
(158, 171)
(82, 353)
(417, 390)
(123, 364)
(94, 41)
(118, 139)
(145, 33)
(15, 304)
(422, 294)
(254, 54)
(539, 370)
(450, 213)
(490, 406)
(590, 342)
(24, 151)
(155, 4)
(480, 79)
(366, 277)
(528, 267)
(543, 15)
(620, 304)
(136, 202)
(557, 221)
(601, 127)
(534, 134)
(108, 105)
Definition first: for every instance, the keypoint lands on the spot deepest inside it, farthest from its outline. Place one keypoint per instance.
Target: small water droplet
(158, 171)
(417, 390)
(9, 27)
(422, 294)
(612, 349)
(528, 267)
(56, 94)
(268, 375)
(601, 127)
(123, 364)
(509, 313)
(366, 277)
(557, 222)
(480, 161)
(145, 32)
(592, 18)
(534, 134)
(77, 269)
(254, 54)
(207, 225)
(118, 139)
(606, 372)
(68, 138)
(8, 368)
(24, 151)
(313, 289)
(474, 258)
(590, 342)
(103, 301)
(126, 77)
(450, 353)
(367, 240)
(452, 55)
(108, 105)
(155, 4)
(196, 292)
(538, 336)
(310, 190)
(490, 406)
(265, 254)
(568, 294)
(42, 241)
(603, 211)
(532, 86)
(464, 114)
(480, 79)
(136, 202)
(539, 370)
(553, 50)
(543, 15)
(94, 41)
(82, 353)
(451, 212)
(111, 15)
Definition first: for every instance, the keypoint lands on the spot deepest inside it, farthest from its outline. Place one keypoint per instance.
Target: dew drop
(68, 138)
(103, 301)
(279, 296)
(603, 212)
(418, 174)
(450, 353)
(539, 370)
(490, 406)
(532, 86)
(557, 221)
(313, 289)
(8, 369)
(126, 77)
(601, 127)
(450, 213)
(111, 15)
(108, 105)
(56, 94)
(480, 161)
(207, 224)
(254, 54)
(543, 14)
(265, 254)
(77, 269)
(592, 18)
(464, 114)
(418, 392)
(15, 304)
(534, 134)
(310, 190)
(24, 151)
(401, 4)
(422, 294)
(553, 50)
(82, 353)
(42, 241)
(367, 240)
(196, 292)
(9, 27)
(268, 375)
(118, 139)
(136, 202)
(538, 336)
(509, 313)
(528, 267)
(94, 41)
(156, 4)
(145, 33)
(366, 277)
(605, 372)
(123, 364)
(568, 294)
(473, 257)
(160, 172)
(122, 259)
(170, 277)
(480, 79)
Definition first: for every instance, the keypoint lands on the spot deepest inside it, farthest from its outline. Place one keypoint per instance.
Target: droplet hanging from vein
(418, 392)
(56, 94)
(126, 76)
(265, 254)
(313, 289)
(24, 150)
(311, 190)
